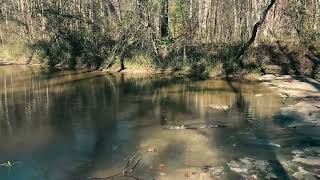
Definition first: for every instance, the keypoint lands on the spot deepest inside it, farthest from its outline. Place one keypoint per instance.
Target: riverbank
(300, 115)
(8, 63)
(302, 98)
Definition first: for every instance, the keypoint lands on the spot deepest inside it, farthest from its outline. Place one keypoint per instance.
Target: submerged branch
(131, 165)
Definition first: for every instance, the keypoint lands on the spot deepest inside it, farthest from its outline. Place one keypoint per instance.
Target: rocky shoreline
(301, 115)
(302, 96)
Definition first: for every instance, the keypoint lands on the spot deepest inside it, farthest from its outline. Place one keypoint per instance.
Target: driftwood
(254, 32)
(129, 168)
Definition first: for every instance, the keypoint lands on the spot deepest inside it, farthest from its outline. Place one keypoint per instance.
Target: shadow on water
(312, 82)
(259, 134)
(86, 124)
(56, 73)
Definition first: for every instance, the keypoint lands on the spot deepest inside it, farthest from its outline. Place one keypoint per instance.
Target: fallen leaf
(187, 174)
(162, 168)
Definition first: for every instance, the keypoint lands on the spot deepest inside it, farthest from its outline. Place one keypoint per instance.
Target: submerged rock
(303, 117)
(295, 88)
(195, 126)
(309, 160)
(308, 156)
(252, 168)
(305, 111)
(217, 172)
(316, 172)
(302, 174)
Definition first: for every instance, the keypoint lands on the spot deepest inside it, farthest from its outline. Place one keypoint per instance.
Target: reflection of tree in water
(97, 120)
(259, 133)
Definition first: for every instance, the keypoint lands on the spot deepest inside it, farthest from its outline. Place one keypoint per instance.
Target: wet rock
(289, 87)
(271, 77)
(309, 160)
(303, 117)
(251, 168)
(316, 172)
(195, 126)
(302, 174)
(267, 77)
(308, 156)
(217, 171)
(304, 111)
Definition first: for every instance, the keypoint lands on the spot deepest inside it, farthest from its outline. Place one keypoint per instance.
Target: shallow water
(74, 125)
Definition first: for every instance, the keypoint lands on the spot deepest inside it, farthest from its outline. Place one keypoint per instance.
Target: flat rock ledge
(292, 87)
(305, 111)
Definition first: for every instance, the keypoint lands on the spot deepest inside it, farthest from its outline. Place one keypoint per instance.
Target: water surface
(79, 124)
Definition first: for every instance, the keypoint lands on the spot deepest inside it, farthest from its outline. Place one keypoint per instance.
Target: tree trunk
(1, 36)
(164, 24)
(254, 33)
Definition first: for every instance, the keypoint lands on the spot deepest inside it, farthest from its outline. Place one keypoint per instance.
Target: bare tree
(254, 32)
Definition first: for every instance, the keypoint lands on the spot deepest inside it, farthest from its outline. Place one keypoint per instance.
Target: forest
(159, 89)
(219, 37)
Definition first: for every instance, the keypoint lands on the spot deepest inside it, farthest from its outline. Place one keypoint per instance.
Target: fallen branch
(192, 127)
(131, 165)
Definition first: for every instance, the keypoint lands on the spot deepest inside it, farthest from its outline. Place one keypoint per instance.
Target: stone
(251, 168)
(308, 156)
(302, 174)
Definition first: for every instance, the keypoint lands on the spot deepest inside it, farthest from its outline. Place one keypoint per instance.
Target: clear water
(74, 125)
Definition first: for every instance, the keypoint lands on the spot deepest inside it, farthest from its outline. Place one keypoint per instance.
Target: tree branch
(254, 32)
